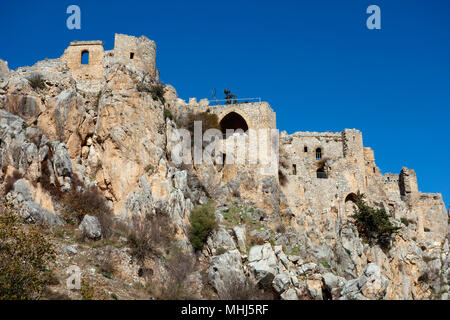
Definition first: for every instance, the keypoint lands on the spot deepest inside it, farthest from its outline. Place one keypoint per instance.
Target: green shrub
(36, 81)
(168, 114)
(25, 254)
(295, 251)
(203, 222)
(157, 92)
(229, 97)
(373, 223)
(348, 251)
(405, 221)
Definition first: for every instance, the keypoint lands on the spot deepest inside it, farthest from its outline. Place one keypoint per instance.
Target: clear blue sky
(315, 62)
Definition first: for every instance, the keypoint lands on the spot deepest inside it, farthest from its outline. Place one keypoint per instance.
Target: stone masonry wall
(139, 52)
(91, 71)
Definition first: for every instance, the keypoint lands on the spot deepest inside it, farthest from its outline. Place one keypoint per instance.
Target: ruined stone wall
(305, 145)
(391, 183)
(258, 115)
(354, 150)
(408, 182)
(138, 52)
(91, 71)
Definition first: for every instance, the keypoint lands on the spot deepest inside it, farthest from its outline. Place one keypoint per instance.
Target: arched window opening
(321, 174)
(294, 169)
(350, 204)
(85, 57)
(305, 149)
(350, 197)
(318, 154)
(233, 121)
(131, 55)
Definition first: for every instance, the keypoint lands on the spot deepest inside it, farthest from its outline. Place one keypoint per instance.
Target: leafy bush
(157, 92)
(155, 89)
(24, 256)
(405, 221)
(229, 97)
(203, 222)
(168, 114)
(36, 81)
(373, 224)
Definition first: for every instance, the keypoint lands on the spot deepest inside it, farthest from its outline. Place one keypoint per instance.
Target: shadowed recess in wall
(233, 121)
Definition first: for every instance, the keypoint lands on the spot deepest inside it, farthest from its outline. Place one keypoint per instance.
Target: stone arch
(231, 119)
(351, 197)
(84, 57)
(350, 204)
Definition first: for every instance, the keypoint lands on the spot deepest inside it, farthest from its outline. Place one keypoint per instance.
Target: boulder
(371, 285)
(307, 268)
(333, 284)
(22, 190)
(220, 239)
(263, 263)
(91, 227)
(61, 160)
(290, 294)
(239, 233)
(224, 271)
(281, 282)
(71, 250)
(34, 213)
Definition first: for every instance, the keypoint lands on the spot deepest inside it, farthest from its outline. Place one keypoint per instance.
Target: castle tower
(85, 60)
(139, 52)
(353, 150)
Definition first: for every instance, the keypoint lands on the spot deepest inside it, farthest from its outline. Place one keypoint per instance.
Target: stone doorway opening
(233, 121)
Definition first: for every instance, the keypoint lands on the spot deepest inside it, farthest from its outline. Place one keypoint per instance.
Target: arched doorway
(85, 57)
(233, 121)
(350, 205)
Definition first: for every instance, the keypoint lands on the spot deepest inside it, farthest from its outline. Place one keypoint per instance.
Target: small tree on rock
(373, 223)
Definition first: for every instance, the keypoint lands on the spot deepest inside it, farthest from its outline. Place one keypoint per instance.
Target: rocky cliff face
(293, 235)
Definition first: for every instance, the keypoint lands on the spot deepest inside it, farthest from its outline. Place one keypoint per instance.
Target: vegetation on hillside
(373, 223)
(203, 222)
(25, 255)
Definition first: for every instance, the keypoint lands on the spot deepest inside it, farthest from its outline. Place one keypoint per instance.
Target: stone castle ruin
(334, 163)
(101, 119)
(85, 59)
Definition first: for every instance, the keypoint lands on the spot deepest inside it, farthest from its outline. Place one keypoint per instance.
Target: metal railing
(217, 102)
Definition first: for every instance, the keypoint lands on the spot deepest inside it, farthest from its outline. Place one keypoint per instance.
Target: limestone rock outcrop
(285, 223)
